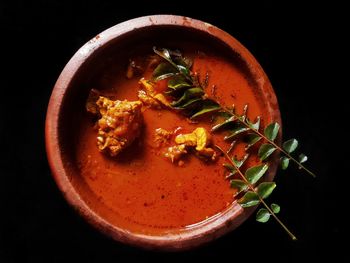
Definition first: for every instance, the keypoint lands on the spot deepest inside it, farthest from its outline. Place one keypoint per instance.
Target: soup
(141, 190)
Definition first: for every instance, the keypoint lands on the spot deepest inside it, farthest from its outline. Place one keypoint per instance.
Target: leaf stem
(293, 237)
(270, 142)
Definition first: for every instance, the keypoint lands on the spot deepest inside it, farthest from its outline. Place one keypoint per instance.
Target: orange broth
(143, 191)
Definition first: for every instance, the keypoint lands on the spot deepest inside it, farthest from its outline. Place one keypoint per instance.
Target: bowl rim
(230, 218)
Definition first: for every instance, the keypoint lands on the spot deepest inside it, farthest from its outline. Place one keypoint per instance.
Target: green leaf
(239, 185)
(163, 71)
(223, 115)
(254, 173)
(239, 163)
(235, 131)
(163, 52)
(188, 94)
(229, 167)
(255, 125)
(207, 106)
(265, 189)
(184, 70)
(290, 145)
(265, 151)
(178, 82)
(302, 158)
(271, 131)
(183, 61)
(262, 215)
(220, 118)
(249, 199)
(251, 139)
(230, 120)
(275, 208)
(284, 161)
(189, 103)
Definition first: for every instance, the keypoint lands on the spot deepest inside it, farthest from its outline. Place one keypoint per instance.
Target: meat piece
(148, 100)
(119, 125)
(174, 153)
(162, 137)
(150, 97)
(199, 139)
(160, 97)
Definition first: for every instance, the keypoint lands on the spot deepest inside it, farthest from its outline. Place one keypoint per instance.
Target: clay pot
(69, 95)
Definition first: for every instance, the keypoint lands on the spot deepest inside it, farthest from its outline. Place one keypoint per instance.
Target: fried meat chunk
(119, 124)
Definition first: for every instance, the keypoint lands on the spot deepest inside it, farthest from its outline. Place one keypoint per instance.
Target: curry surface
(144, 192)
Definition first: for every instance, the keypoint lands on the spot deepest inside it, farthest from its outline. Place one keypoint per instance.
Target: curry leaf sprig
(184, 87)
(237, 125)
(190, 97)
(250, 193)
(255, 195)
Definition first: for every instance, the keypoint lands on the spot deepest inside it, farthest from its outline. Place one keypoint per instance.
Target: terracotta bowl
(70, 93)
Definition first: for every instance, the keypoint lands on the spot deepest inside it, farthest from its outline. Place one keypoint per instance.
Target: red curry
(140, 189)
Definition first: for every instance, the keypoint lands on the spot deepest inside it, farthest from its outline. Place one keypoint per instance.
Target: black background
(297, 46)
